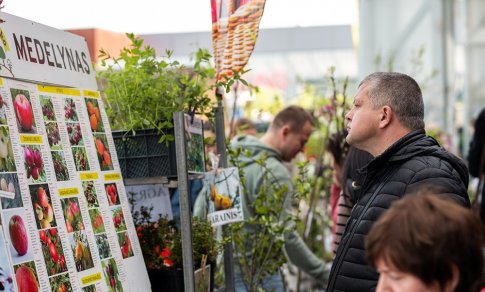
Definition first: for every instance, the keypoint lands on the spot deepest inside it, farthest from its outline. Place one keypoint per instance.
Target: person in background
(350, 177)
(387, 121)
(426, 243)
(284, 139)
(476, 160)
(243, 126)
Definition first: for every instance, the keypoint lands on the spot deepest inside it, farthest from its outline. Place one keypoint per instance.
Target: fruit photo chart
(65, 219)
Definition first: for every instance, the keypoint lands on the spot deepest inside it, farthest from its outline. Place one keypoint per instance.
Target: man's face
(362, 121)
(293, 142)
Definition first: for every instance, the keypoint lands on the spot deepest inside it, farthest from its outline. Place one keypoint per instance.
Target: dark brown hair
(425, 235)
(294, 116)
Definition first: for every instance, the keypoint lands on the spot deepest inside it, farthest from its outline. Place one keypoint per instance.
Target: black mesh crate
(141, 155)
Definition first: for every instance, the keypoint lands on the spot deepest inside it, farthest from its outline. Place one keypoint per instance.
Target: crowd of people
(400, 207)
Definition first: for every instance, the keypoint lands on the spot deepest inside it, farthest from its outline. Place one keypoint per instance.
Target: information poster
(65, 221)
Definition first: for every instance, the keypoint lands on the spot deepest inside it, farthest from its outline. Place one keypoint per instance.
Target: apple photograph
(61, 283)
(103, 246)
(26, 277)
(118, 219)
(75, 135)
(23, 110)
(47, 108)
(6, 275)
(80, 158)
(60, 165)
(42, 204)
(53, 136)
(90, 194)
(70, 112)
(96, 220)
(102, 151)
(111, 275)
(125, 245)
(17, 235)
(112, 194)
(52, 251)
(34, 165)
(72, 214)
(3, 113)
(7, 162)
(80, 250)
(9, 183)
(95, 121)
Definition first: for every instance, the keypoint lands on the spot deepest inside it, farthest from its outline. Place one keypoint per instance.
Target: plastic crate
(141, 155)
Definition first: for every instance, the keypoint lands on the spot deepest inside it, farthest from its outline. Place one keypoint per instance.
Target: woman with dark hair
(476, 159)
(426, 243)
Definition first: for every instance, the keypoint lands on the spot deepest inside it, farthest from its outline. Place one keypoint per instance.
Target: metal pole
(221, 150)
(185, 217)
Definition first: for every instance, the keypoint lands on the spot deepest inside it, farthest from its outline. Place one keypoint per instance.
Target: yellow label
(59, 90)
(68, 192)
(30, 139)
(4, 40)
(1, 81)
(112, 176)
(90, 93)
(89, 176)
(91, 279)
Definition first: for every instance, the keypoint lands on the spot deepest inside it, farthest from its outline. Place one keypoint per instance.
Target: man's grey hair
(401, 93)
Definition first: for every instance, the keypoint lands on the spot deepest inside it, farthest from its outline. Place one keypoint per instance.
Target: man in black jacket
(387, 121)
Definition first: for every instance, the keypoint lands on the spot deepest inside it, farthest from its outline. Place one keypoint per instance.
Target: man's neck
(387, 140)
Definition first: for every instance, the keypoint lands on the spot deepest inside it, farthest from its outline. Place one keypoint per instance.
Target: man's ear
(285, 130)
(452, 283)
(386, 116)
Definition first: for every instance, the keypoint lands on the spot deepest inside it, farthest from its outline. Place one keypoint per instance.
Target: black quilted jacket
(415, 161)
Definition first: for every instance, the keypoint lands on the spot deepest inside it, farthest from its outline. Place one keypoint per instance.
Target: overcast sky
(163, 16)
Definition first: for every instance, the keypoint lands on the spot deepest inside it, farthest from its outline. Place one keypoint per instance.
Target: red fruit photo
(118, 219)
(96, 220)
(72, 214)
(52, 251)
(17, 234)
(42, 204)
(47, 108)
(75, 134)
(80, 158)
(80, 250)
(61, 283)
(26, 277)
(102, 151)
(125, 245)
(112, 194)
(70, 113)
(34, 166)
(111, 275)
(90, 193)
(22, 106)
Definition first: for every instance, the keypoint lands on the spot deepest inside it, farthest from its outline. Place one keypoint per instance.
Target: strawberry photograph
(52, 251)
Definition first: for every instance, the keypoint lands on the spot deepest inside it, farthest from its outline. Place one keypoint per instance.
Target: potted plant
(141, 92)
(161, 245)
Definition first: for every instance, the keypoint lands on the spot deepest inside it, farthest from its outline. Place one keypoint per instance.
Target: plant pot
(172, 280)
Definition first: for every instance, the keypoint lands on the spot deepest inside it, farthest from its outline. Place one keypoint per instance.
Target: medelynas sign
(35, 52)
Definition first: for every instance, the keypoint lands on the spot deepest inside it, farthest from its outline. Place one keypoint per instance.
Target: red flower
(165, 255)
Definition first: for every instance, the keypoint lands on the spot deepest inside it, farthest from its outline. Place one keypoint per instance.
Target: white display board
(65, 220)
